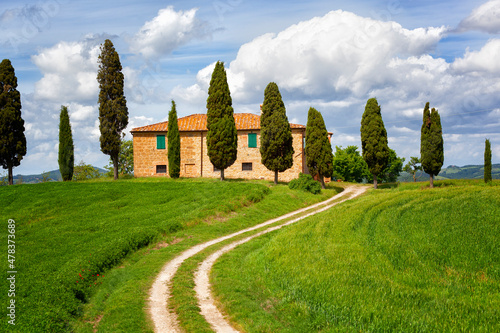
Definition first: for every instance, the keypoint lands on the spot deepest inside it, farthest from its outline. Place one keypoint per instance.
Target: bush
(305, 182)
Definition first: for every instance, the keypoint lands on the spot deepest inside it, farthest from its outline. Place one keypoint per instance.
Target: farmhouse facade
(150, 150)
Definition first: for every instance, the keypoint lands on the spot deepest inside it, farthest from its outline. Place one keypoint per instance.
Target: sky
(327, 54)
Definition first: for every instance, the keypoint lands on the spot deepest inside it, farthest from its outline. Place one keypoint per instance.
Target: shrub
(305, 182)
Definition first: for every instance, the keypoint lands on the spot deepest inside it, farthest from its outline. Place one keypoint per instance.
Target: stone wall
(194, 146)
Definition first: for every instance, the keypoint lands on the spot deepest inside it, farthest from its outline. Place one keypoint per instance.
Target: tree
(319, 156)
(12, 138)
(374, 139)
(276, 141)
(413, 166)
(222, 137)
(487, 161)
(174, 144)
(431, 143)
(125, 160)
(84, 171)
(113, 112)
(349, 165)
(393, 169)
(66, 158)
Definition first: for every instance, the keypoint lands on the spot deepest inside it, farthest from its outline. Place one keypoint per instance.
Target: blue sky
(331, 55)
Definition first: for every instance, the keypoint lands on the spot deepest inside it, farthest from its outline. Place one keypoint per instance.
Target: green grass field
(406, 259)
(87, 253)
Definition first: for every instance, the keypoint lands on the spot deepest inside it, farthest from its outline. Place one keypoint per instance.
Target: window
(161, 169)
(246, 166)
(252, 140)
(160, 142)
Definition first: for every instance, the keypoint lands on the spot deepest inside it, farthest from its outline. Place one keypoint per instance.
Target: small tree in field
(66, 158)
(12, 138)
(374, 139)
(276, 141)
(319, 156)
(174, 144)
(113, 111)
(349, 165)
(487, 161)
(125, 160)
(413, 166)
(222, 137)
(431, 143)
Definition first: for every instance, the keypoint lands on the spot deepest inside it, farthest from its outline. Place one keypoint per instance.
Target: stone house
(150, 150)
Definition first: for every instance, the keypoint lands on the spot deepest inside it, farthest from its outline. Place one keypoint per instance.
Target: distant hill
(455, 172)
(52, 176)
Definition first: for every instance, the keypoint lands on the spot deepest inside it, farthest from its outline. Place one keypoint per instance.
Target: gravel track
(166, 321)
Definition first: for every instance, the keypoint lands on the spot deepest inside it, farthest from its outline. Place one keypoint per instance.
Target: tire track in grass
(165, 320)
(206, 300)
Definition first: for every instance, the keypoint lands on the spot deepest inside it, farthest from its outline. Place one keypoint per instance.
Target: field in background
(402, 259)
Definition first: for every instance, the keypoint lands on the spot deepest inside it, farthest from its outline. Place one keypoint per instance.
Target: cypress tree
(487, 161)
(66, 149)
(276, 141)
(174, 144)
(113, 112)
(319, 156)
(431, 143)
(374, 139)
(222, 137)
(12, 138)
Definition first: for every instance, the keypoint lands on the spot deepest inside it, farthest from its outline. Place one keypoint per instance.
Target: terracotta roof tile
(198, 122)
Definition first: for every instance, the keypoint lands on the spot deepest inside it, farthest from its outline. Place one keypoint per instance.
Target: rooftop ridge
(198, 122)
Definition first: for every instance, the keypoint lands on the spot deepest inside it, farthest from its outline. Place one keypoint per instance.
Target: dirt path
(201, 278)
(166, 321)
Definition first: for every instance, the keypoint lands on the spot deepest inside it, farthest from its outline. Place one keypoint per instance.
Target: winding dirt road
(166, 321)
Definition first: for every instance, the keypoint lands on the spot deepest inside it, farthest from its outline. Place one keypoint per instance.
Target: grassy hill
(77, 240)
(404, 259)
(455, 172)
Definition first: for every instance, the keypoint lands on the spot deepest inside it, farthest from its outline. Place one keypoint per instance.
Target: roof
(198, 122)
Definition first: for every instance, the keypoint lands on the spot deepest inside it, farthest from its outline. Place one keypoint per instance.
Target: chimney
(261, 109)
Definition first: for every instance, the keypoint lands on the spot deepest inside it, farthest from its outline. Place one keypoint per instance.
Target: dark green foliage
(276, 142)
(348, 165)
(431, 143)
(222, 138)
(125, 160)
(113, 112)
(413, 166)
(66, 158)
(305, 182)
(174, 144)
(12, 138)
(374, 139)
(394, 167)
(487, 161)
(319, 156)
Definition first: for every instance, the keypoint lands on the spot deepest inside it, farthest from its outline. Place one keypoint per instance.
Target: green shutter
(160, 142)
(252, 140)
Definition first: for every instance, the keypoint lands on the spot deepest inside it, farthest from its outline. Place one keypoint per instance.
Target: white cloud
(482, 61)
(338, 52)
(82, 113)
(69, 71)
(166, 32)
(483, 18)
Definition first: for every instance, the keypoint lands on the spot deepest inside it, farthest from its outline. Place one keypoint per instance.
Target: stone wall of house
(147, 157)
(194, 146)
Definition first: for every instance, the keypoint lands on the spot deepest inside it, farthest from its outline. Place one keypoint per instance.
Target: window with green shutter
(252, 140)
(160, 142)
